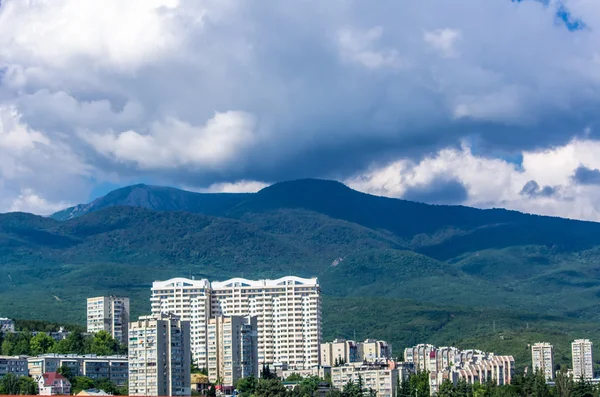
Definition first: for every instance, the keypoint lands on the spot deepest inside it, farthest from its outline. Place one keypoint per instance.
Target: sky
(481, 103)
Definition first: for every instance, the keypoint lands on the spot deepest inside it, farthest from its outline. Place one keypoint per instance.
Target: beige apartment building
(113, 368)
(190, 300)
(159, 356)
(382, 380)
(542, 359)
(110, 314)
(339, 351)
(232, 349)
(583, 362)
(288, 312)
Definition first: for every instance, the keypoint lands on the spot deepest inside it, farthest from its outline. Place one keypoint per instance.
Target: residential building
(190, 300)
(372, 350)
(232, 349)
(110, 314)
(113, 368)
(378, 378)
(53, 384)
(93, 392)
(542, 359)
(288, 312)
(338, 352)
(159, 356)
(583, 362)
(6, 325)
(16, 365)
(450, 363)
(320, 371)
(200, 383)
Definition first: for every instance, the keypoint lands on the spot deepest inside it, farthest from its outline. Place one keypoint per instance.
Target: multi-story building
(232, 349)
(113, 368)
(6, 325)
(372, 350)
(542, 359)
(583, 362)
(110, 314)
(190, 300)
(338, 352)
(16, 365)
(380, 379)
(159, 356)
(288, 312)
(450, 363)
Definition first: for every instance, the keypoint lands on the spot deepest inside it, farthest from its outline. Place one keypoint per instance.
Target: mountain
(503, 266)
(157, 198)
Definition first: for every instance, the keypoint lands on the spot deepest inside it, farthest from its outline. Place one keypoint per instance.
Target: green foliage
(266, 373)
(41, 343)
(80, 383)
(270, 388)
(212, 391)
(66, 372)
(103, 344)
(247, 386)
(12, 385)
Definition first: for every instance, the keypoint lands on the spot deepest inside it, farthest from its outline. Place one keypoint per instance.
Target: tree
(41, 343)
(212, 392)
(66, 372)
(446, 389)
(266, 372)
(103, 344)
(27, 386)
(270, 388)
(294, 377)
(247, 386)
(419, 384)
(9, 384)
(563, 384)
(80, 383)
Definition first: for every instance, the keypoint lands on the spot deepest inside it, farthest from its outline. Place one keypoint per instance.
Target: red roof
(50, 377)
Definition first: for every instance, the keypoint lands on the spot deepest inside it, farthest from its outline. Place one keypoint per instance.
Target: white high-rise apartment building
(110, 314)
(232, 349)
(542, 357)
(288, 312)
(189, 299)
(583, 363)
(159, 356)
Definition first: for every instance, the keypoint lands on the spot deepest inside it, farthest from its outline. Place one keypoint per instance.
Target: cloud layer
(486, 104)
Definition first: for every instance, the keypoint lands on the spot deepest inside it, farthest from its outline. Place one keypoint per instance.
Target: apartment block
(542, 359)
(372, 350)
(110, 314)
(16, 365)
(583, 362)
(159, 356)
(232, 349)
(453, 364)
(339, 351)
(190, 300)
(114, 368)
(288, 312)
(378, 378)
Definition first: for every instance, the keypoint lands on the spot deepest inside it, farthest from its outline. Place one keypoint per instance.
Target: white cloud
(493, 182)
(29, 201)
(235, 187)
(443, 41)
(173, 143)
(363, 47)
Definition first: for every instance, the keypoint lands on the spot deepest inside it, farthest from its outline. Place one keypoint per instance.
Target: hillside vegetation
(372, 255)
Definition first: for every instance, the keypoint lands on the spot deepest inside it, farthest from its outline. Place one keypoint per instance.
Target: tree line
(25, 343)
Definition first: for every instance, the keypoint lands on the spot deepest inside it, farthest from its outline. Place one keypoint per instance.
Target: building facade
(190, 300)
(232, 349)
(113, 368)
(542, 359)
(16, 365)
(583, 362)
(110, 314)
(159, 356)
(340, 351)
(373, 350)
(380, 379)
(6, 325)
(53, 384)
(288, 312)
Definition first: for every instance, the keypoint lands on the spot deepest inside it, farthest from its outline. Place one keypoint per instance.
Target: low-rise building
(6, 325)
(379, 378)
(53, 384)
(320, 371)
(16, 365)
(113, 368)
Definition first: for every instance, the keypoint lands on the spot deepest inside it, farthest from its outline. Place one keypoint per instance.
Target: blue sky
(464, 102)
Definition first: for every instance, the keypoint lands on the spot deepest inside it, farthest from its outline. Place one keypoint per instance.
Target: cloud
(439, 191)
(235, 187)
(587, 176)
(209, 93)
(533, 189)
(29, 201)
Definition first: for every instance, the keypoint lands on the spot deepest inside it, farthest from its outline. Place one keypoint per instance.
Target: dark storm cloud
(587, 176)
(533, 189)
(439, 191)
